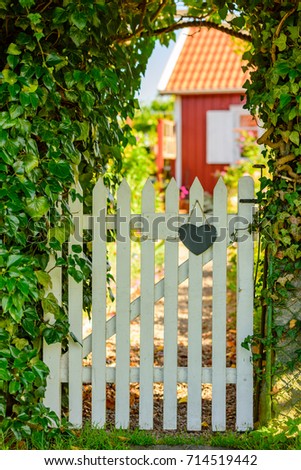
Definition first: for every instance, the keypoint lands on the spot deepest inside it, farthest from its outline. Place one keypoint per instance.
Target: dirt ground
(182, 360)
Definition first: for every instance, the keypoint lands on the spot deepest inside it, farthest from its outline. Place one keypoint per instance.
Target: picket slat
(75, 313)
(147, 317)
(244, 320)
(99, 280)
(52, 352)
(219, 312)
(195, 297)
(158, 375)
(171, 316)
(123, 300)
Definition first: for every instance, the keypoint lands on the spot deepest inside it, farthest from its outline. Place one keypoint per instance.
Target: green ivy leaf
(25, 99)
(30, 162)
(77, 36)
(51, 335)
(34, 100)
(3, 137)
(13, 49)
(40, 369)
(61, 169)
(2, 408)
(14, 387)
(285, 99)
(54, 59)
(44, 279)
(295, 138)
(31, 87)
(59, 15)
(20, 343)
(24, 287)
(28, 376)
(50, 304)
(9, 76)
(77, 275)
(12, 61)
(5, 374)
(35, 18)
(281, 42)
(294, 31)
(239, 21)
(16, 313)
(79, 20)
(18, 300)
(15, 260)
(37, 207)
(76, 248)
(3, 363)
(59, 233)
(13, 223)
(4, 335)
(223, 12)
(15, 111)
(27, 3)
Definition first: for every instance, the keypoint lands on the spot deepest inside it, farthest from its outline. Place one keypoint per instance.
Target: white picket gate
(69, 367)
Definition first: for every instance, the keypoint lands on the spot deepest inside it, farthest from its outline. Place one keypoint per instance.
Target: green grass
(98, 439)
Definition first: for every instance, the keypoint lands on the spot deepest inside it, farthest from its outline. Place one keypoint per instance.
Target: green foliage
(139, 158)
(65, 92)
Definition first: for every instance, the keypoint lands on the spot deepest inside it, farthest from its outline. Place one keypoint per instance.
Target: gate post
(52, 352)
(245, 300)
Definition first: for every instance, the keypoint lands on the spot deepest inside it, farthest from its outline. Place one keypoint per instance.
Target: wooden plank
(158, 376)
(219, 311)
(154, 225)
(99, 281)
(135, 304)
(245, 261)
(195, 296)
(75, 313)
(123, 288)
(52, 352)
(171, 316)
(147, 317)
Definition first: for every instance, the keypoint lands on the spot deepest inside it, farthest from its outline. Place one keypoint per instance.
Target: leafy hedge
(65, 94)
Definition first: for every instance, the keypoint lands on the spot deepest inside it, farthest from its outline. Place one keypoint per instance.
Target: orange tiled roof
(207, 63)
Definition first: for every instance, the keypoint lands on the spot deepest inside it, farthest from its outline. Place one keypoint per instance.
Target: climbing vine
(65, 94)
(274, 94)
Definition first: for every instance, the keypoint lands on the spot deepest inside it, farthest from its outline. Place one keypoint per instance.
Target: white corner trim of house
(178, 122)
(168, 69)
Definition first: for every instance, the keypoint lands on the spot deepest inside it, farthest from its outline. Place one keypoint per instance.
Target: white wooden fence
(69, 368)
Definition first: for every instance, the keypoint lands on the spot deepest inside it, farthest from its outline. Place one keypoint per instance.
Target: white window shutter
(220, 138)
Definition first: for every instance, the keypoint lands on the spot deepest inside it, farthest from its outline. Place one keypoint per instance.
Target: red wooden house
(205, 74)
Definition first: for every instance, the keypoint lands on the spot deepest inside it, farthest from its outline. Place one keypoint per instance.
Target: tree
(69, 72)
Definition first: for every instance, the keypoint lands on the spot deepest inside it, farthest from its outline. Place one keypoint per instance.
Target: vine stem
(278, 31)
(269, 337)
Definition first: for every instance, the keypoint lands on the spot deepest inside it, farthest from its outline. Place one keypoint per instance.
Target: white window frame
(219, 139)
(222, 136)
